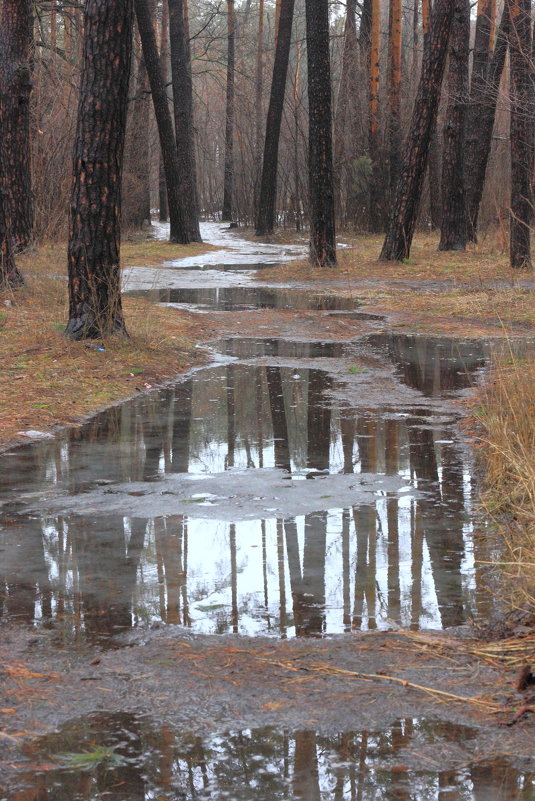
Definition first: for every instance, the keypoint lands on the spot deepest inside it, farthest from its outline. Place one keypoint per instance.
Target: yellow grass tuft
(506, 412)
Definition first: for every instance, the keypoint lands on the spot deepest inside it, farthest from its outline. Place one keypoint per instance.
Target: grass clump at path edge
(505, 411)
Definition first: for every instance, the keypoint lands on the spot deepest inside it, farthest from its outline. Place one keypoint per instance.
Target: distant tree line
(208, 109)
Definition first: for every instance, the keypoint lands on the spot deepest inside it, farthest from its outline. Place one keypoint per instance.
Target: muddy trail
(261, 582)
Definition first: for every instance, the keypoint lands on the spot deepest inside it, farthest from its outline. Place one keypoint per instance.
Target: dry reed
(505, 411)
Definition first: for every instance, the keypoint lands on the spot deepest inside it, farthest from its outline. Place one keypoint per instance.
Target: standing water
(290, 489)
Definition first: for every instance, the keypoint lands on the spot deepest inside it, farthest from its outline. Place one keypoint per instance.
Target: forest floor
(340, 684)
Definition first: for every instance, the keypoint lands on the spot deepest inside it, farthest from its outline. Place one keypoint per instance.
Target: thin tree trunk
(453, 224)
(259, 86)
(479, 91)
(164, 69)
(394, 95)
(178, 232)
(136, 173)
(16, 53)
(320, 160)
(183, 108)
(296, 129)
(268, 185)
(228, 180)
(346, 113)
(94, 233)
(398, 240)
(376, 183)
(521, 134)
(480, 124)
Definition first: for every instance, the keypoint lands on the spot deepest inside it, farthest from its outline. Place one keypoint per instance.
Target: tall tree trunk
(136, 173)
(228, 179)
(94, 233)
(183, 107)
(16, 53)
(521, 134)
(259, 88)
(268, 185)
(320, 160)
(164, 69)
(394, 94)
(479, 126)
(453, 224)
(398, 240)
(178, 232)
(346, 115)
(376, 179)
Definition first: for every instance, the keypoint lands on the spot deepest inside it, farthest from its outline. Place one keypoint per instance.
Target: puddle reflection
(126, 757)
(243, 298)
(402, 557)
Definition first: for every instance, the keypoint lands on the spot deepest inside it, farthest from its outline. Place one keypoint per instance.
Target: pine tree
(94, 232)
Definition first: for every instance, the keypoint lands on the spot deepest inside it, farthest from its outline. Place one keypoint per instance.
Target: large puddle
(124, 757)
(268, 495)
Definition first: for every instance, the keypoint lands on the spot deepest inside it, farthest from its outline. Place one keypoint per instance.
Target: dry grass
(506, 412)
(476, 284)
(360, 260)
(46, 380)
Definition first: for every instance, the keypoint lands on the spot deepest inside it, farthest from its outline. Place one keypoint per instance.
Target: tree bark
(228, 179)
(16, 53)
(376, 188)
(345, 120)
(164, 69)
(136, 173)
(394, 94)
(480, 124)
(521, 134)
(178, 232)
(398, 240)
(453, 230)
(268, 184)
(434, 170)
(10, 276)
(94, 232)
(320, 160)
(259, 87)
(183, 108)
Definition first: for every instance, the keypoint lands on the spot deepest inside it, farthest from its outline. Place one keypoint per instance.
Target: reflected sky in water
(126, 757)
(294, 410)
